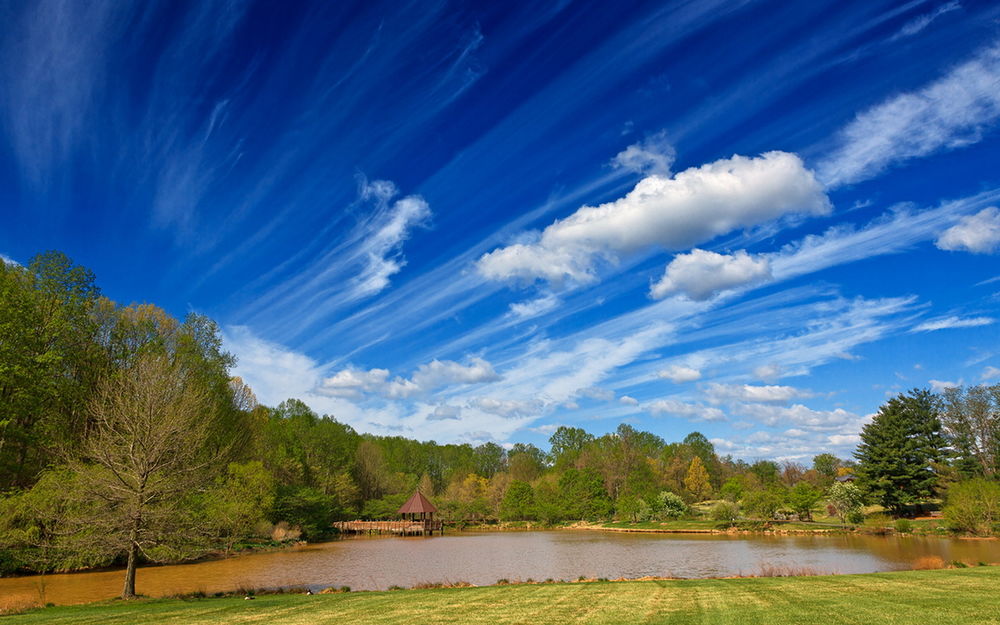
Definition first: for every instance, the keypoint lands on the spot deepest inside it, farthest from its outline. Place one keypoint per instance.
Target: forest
(125, 439)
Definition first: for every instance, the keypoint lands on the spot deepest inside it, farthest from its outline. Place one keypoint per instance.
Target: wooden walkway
(405, 528)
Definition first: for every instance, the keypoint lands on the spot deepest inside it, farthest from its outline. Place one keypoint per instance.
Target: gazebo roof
(416, 504)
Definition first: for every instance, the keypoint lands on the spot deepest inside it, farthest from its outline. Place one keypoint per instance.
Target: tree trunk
(128, 591)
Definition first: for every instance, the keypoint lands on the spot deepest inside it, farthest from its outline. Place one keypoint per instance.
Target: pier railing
(390, 527)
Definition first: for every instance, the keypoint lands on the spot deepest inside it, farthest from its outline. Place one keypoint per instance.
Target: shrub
(670, 505)
(903, 526)
(973, 506)
(764, 503)
(848, 499)
(725, 511)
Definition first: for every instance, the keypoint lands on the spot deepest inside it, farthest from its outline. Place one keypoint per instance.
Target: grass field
(953, 597)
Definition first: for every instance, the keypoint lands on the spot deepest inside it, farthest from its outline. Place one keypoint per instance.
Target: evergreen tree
(898, 449)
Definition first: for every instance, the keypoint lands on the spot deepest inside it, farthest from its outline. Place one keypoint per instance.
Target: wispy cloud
(954, 111)
(945, 323)
(921, 22)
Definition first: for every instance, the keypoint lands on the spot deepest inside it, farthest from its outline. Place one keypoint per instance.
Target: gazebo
(418, 508)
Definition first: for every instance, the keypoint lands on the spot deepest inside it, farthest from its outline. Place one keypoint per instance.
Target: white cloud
(990, 373)
(594, 392)
(921, 22)
(693, 412)
(797, 414)
(944, 323)
(352, 382)
(445, 411)
(844, 439)
(673, 213)
(653, 155)
(940, 385)
(386, 229)
(979, 233)
(954, 111)
(508, 408)
(534, 307)
(678, 374)
(7, 260)
(771, 394)
(768, 373)
(439, 373)
(700, 274)
(628, 400)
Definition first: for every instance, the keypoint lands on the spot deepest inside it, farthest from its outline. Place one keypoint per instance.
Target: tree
(697, 480)
(898, 449)
(803, 497)
(144, 457)
(974, 506)
(668, 505)
(566, 445)
(826, 466)
(848, 499)
(519, 502)
(971, 417)
(239, 502)
(764, 503)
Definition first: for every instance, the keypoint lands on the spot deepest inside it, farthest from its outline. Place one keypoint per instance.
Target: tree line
(124, 438)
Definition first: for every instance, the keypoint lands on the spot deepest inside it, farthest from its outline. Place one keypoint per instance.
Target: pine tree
(898, 450)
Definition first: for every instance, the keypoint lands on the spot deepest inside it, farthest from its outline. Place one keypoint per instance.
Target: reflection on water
(377, 563)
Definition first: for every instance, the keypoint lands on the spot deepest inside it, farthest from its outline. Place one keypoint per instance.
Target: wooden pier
(402, 528)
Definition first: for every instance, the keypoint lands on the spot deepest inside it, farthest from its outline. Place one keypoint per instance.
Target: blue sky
(469, 222)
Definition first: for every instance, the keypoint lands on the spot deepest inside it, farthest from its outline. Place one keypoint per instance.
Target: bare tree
(971, 416)
(145, 457)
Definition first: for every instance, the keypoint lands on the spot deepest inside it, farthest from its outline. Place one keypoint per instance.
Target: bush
(764, 503)
(973, 506)
(670, 505)
(726, 511)
(847, 499)
(903, 526)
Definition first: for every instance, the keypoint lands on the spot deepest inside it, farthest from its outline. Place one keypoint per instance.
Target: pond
(483, 558)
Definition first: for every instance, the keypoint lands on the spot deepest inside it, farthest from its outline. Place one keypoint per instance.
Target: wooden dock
(402, 528)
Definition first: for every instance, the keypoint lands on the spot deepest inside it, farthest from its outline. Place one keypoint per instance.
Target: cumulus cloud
(940, 385)
(507, 408)
(770, 394)
(653, 155)
(673, 213)
(444, 411)
(678, 374)
(768, 373)
(954, 111)
(693, 412)
(439, 373)
(628, 400)
(945, 323)
(701, 274)
(797, 414)
(979, 233)
(388, 226)
(352, 382)
(534, 307)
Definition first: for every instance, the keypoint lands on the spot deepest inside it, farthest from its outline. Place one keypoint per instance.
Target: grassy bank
(956, 597)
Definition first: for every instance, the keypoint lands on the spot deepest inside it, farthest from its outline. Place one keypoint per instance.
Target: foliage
(669, 505)
(726, 511)
(898, 449)
(848, 499)
(974, 507)
(734, 488)
(971, 416)
(802, 498)
(697, 481)
(764, 504)
(518, 503)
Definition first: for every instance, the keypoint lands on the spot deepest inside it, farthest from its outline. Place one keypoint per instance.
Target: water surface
(483, 558)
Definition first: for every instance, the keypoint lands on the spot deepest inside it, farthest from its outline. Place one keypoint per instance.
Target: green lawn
(953, 597)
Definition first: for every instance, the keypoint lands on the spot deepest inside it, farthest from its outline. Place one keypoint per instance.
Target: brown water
(481, 558)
